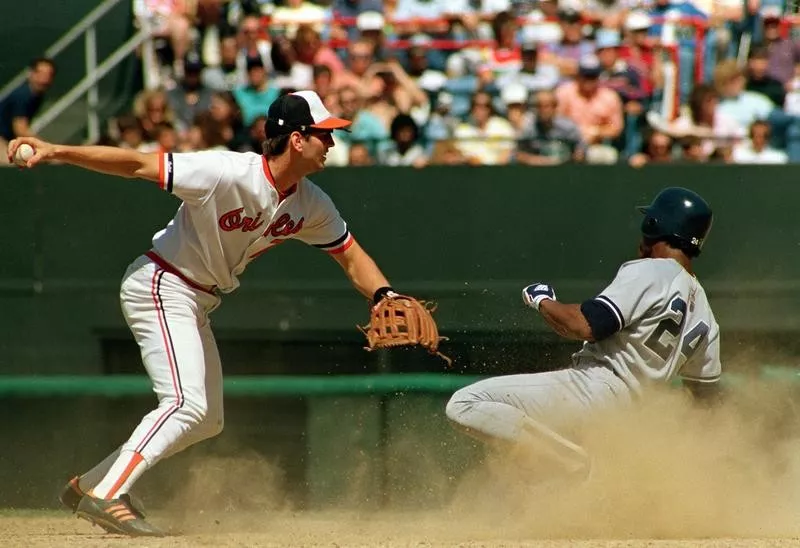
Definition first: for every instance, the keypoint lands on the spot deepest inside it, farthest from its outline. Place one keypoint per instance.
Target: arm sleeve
(326, 229)
(192, 176)
(629, 296)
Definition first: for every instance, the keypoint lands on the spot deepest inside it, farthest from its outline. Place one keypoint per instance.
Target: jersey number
(691, 340)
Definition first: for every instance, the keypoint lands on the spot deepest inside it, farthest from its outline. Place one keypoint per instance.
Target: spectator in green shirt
(255, 97)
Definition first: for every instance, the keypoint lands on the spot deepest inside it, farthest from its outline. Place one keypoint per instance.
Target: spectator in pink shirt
(596, 110)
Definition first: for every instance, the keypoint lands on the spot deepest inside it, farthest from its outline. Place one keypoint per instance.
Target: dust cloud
(664, 469)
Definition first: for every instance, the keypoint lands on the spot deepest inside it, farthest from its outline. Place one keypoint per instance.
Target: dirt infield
(48, 529)
(667, 474)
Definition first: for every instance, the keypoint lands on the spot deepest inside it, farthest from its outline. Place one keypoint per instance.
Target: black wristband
(381, 293)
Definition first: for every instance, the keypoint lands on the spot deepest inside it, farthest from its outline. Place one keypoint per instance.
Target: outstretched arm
(110, 160)
(361, 270)
(566, 319)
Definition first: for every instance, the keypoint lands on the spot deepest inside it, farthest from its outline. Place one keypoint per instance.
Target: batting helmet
(680, 217)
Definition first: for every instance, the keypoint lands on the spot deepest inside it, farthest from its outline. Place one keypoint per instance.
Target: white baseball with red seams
(231, 213)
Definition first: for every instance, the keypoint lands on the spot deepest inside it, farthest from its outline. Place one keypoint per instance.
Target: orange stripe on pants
(135, 460)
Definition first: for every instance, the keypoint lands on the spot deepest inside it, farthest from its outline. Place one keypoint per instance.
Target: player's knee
(213, 425)
(194, 411)
(460, 405)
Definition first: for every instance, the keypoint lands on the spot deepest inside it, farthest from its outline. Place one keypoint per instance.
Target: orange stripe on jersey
(344, 247)
(161, 181)
(135, 460)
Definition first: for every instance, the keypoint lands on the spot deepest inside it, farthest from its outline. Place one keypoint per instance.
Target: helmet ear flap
(650, 226)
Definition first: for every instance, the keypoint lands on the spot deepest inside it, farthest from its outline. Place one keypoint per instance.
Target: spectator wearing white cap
(514, 98)
(638, 52)
(442, 122)
(346, 11)
(418, 66)
(371, 25)
(532, 74)
(617, 75)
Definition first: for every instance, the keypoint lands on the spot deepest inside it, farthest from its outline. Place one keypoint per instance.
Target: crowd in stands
(479, 82)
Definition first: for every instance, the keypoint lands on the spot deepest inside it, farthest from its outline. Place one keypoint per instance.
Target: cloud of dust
(663, 469)
(219, 489)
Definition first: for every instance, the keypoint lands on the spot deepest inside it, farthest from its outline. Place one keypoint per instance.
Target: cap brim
(332, 123)
(642, 209)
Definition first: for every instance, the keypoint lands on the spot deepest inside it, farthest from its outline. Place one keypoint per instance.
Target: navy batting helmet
(680, 217)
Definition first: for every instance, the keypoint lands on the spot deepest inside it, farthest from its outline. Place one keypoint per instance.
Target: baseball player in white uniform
(235, 207)
(653, 323)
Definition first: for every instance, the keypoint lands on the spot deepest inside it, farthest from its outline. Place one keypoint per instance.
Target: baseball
(23, 154)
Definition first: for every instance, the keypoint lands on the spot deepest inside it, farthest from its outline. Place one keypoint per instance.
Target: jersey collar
(268, 174)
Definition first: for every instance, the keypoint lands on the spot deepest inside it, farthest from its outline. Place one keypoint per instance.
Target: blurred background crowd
(480, 82)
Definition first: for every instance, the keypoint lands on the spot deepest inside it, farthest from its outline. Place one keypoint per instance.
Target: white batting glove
(534, 294)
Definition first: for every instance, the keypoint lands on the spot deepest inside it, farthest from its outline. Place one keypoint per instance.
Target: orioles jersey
(231, 213)
(653, 323)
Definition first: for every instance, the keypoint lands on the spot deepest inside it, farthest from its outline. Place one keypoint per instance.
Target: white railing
(89, 85)
(94, 72)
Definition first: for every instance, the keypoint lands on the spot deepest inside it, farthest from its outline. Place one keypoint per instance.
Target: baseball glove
(401, 320)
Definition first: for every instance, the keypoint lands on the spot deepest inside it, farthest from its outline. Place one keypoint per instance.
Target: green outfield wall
(469, 238)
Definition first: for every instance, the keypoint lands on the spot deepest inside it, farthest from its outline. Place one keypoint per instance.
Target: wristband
(383, 292)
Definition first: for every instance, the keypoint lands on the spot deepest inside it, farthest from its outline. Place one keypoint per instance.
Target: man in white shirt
(235, 207)
(757, 149)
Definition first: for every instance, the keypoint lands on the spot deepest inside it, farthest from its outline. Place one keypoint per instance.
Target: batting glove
(534, 294)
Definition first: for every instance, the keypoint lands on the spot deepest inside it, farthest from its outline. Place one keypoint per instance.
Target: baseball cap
(589, 66)
(300, 111)
(514, 93)
(771, 13)
(607, 38)
(638, 20)
(370, 20)
(569, 15)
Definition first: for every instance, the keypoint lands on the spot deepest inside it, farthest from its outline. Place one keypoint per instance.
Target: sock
(127, 468)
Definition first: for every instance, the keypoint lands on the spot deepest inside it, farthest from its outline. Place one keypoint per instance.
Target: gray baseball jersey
(651, 324)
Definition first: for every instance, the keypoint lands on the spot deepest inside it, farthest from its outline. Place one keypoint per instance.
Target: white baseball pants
(170, 321)
(531, 409)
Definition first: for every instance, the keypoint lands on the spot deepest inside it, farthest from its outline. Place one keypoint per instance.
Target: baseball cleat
(116, 516)
(71, 494)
